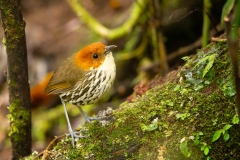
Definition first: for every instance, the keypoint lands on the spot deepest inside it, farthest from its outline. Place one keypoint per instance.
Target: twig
(184, 50)
(218, 39)
(45, 152)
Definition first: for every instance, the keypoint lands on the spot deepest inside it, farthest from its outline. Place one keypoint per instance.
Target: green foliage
(185, 58)
(184, 148)
(205, 148)
(235, 119)
(197, 137)
(223, 131)
(167, 102)
(32, 156)
(227, 86)
(217, 135)
(150, 127)
(210, 59)
(182, 116)
(203, 72)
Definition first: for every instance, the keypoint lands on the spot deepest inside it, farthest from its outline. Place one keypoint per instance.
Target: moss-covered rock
(192, 116)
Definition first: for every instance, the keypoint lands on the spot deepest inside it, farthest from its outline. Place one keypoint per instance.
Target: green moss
(174, 121)
(14, 29)
(17, 119)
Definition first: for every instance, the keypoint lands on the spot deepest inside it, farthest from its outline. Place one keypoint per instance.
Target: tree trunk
(19, 91)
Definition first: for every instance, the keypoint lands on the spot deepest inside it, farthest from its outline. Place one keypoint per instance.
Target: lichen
(17, 119)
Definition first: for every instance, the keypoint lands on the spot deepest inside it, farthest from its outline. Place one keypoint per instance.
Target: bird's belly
(90, 90)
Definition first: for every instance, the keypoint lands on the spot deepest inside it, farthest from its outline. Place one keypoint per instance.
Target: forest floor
(53, 32)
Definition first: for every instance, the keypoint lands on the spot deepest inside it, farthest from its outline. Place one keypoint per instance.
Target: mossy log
(191, 116)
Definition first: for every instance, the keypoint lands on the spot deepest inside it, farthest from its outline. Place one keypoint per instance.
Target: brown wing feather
(65, 78)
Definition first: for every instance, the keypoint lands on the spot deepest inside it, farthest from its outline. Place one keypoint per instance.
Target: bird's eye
(95, 56)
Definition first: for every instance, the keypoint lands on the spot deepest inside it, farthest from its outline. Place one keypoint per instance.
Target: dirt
(142, 88)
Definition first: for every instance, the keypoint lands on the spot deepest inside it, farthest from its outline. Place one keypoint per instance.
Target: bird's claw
(89, 119)
(102, 115)
(74, 135)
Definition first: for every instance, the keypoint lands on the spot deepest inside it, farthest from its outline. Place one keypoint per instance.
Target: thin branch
(233, 51)
(111, 34)
(44, 153)
(197, 44)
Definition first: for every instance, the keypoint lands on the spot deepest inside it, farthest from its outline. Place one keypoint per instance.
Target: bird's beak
(109, 49)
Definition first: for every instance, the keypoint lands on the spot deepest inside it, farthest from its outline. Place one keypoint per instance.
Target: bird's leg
(89, 119)
(71, 132)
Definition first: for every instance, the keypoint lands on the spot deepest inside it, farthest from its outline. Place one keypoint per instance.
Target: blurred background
(164, 32)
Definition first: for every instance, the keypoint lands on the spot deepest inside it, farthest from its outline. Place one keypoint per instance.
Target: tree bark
(19, 91)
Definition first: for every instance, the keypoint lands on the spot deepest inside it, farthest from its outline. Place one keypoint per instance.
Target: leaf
(198, 87)
(184, 91)
(210, 74)
(235, 119)
(150, 127)
(200, 133)
(201, 61)
(227, 127)
(185, 58)
(196, 142)
(216, 135)
(194, 81)
(207, 82)
(206, 151)
(143, 127)
(169, 103)
(211, 60)
(177, 88)
(178, 115)
(184, 149)
(226, 136)
(229, 91)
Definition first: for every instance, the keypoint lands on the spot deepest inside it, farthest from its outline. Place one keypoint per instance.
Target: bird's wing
(58, 88)
(64, 78)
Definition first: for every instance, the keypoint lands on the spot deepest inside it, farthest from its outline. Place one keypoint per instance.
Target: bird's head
(93, 56)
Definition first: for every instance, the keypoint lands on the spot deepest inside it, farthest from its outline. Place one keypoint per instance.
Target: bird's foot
(89, 119)
(102, 115)
(75, 134)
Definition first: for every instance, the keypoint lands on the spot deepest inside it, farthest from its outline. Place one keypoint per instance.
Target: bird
(83, 79)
